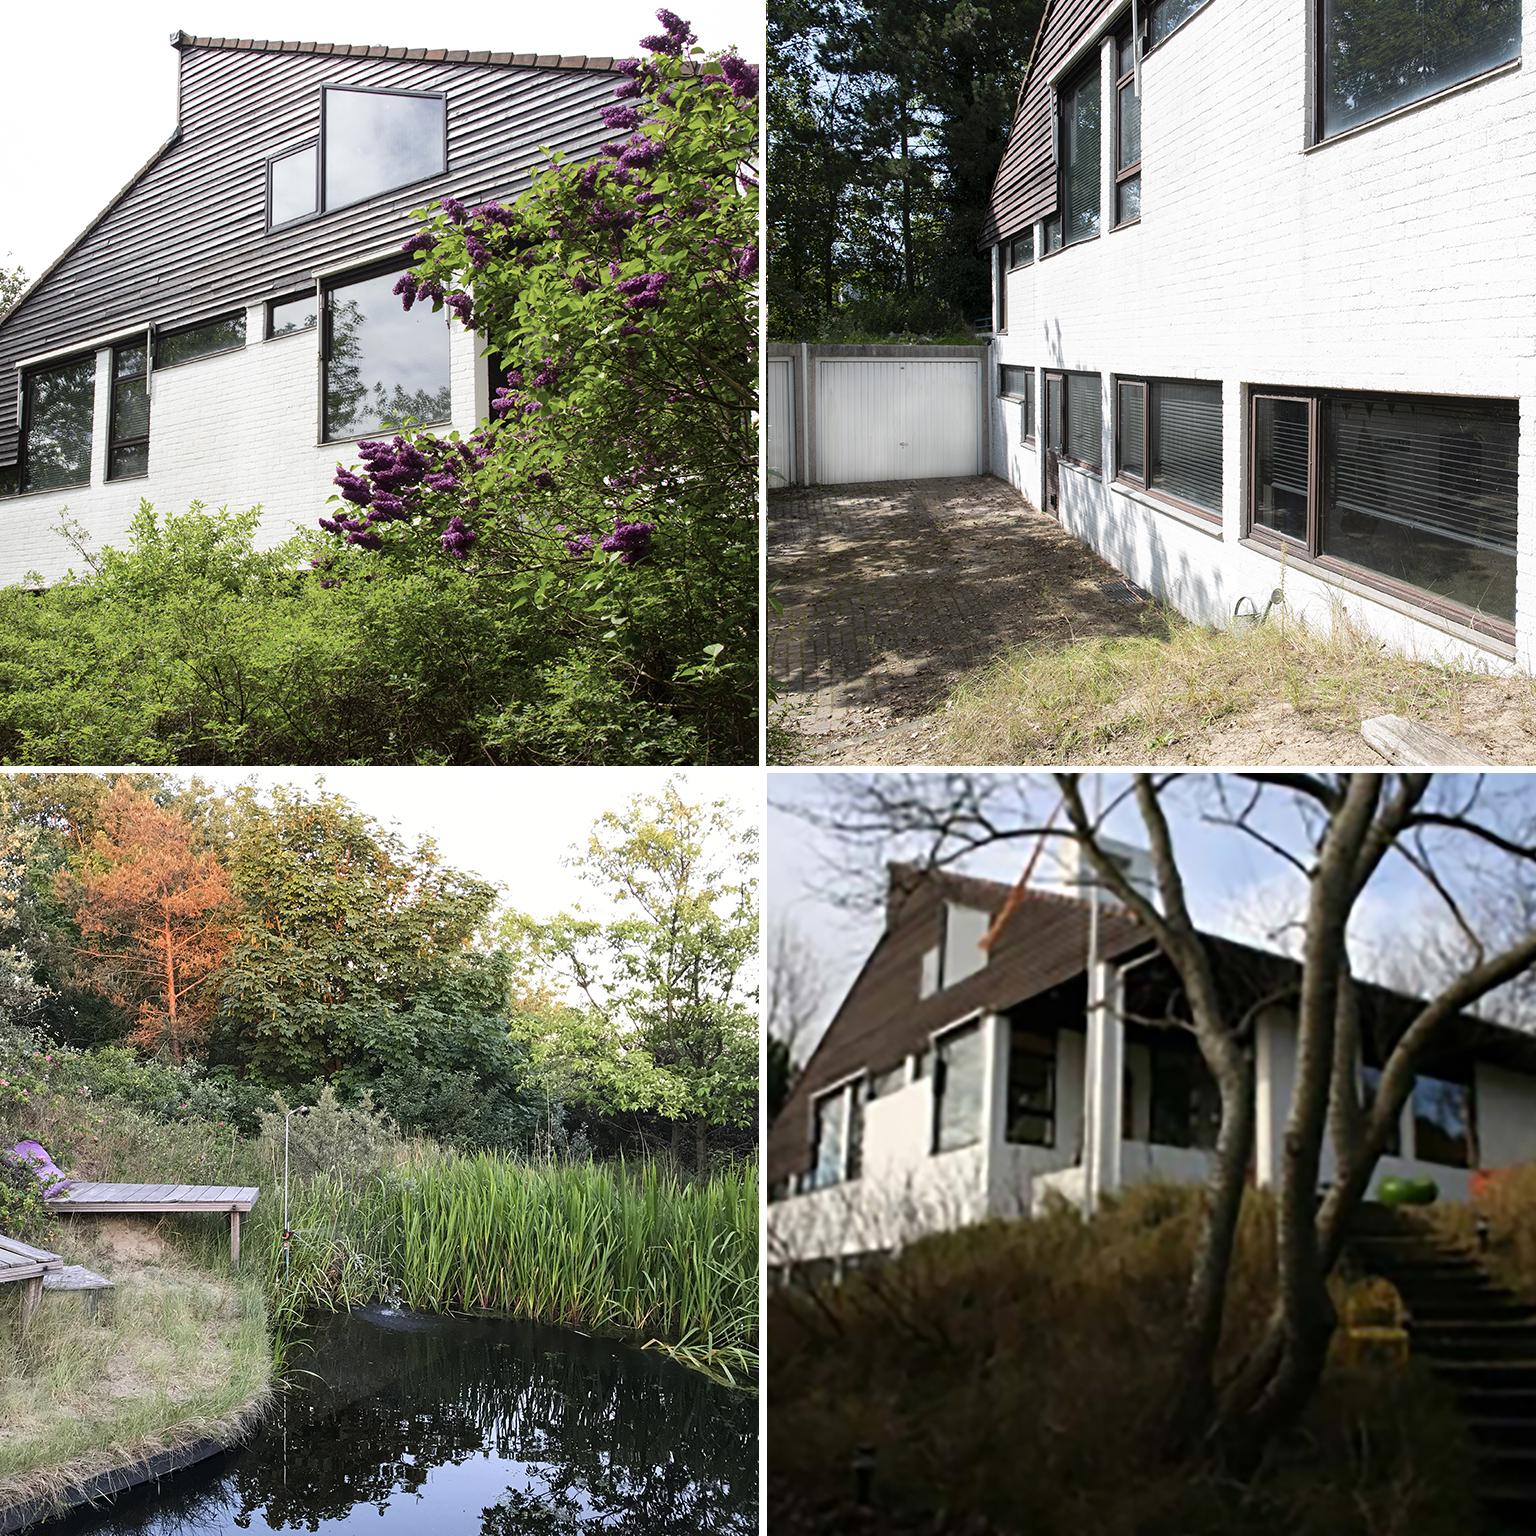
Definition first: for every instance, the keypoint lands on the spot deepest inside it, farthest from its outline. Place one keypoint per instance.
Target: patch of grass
(176, 1354)
(1015, 1377)
(1508, 1202)
(1154, 697)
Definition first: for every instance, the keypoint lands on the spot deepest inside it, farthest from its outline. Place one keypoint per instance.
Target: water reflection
(452, 1426)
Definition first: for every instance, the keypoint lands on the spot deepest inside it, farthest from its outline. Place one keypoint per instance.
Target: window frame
(23, 466)
(938, 1079)
(327, 286)
(1147, 383)
(319, 208)
(165, 333)
(323, 204)
(268, 334)
(1065, 456)
(1000, 290)
(1319, 134)
(1146, 22)
(1310, 554)
(852, 1091)
(1090, 68)
(1131, 172)
(113, 440)
(1029, 260)
(1050, 1052)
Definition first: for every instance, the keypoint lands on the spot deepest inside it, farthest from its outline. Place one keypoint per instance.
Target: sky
(95, 84)
(512, 826)
(1236, 888)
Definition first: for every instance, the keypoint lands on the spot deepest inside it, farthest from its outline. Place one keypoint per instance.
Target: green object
(1400, 1191)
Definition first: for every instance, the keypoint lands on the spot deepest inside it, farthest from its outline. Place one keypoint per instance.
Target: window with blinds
(1415, 493)
(1131, 430)
(1079, 143)
(1018, 383)
(1168, 439)
(1085, 420)
(1127, 132)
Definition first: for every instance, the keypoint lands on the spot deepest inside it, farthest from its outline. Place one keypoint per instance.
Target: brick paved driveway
(889, 593)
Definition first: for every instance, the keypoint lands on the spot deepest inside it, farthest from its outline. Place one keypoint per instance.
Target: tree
(12, 281)
(796, 990)
(155, 917)
(342, 930)
(614, 490)
(669, 1018)
(1342, 831)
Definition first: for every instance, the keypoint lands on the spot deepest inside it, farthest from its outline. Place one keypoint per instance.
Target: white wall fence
(840, 415)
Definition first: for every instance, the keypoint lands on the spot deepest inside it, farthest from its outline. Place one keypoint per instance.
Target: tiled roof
(380, 51)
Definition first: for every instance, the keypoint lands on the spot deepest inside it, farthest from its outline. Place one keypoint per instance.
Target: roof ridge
(576, 61)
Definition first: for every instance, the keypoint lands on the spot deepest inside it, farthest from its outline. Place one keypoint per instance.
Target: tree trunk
(701, 1147)
(906, 201)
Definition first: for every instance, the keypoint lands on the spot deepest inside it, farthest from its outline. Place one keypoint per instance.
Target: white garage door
(897, 419)
(781, 423)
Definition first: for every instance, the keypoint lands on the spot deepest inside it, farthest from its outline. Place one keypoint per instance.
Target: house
(224, 330)
(957, 1083)
(1263, 307)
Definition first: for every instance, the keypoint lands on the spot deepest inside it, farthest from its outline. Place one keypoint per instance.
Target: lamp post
(287, 1232)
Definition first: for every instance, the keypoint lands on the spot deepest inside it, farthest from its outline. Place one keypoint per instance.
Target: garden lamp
(287, 1233)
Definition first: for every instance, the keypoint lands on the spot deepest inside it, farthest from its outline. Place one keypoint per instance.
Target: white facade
(219, 426)
(905, 1189)
(1397, 258)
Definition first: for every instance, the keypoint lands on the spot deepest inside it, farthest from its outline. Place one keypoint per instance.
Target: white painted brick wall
(236, 430)
(1402, 258)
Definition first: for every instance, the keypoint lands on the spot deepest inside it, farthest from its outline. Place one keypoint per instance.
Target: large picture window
(1168, 439)
(1078, 144)
(57, 420)
(376, 140)
(1031, 1087)
(1416, 494)
(1127, 132)
(1083, 435)
(957, 1081)
(384, 365)
(1186, 1104)
(1444, 1125)
(128, 442)
(1378, 55)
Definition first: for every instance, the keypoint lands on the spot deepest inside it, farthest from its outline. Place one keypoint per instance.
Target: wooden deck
(159, 1199)
(27, 1266)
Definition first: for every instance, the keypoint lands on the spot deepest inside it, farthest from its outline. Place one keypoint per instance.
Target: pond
(420, 1424)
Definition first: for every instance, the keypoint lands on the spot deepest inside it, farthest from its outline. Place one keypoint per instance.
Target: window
(1084, 411)
(383, 364)
(883, 1083)
(190, 342)
(10, 479)
(1127, 133)
(1186, 1105)
(376, 140)
(1168, 439)
(1167, 16)
(1078, 138)
(830, 1116)
(1000, 268)
(57, 419)
(1031, 1088)
(293, 186)
(957, 1089)
(1018, 383)
(128, 437)
(1444, 1129)
(1370, 1087)
(1053, 234)
(1412, 493)
(1022, 250)
(1378, 55)
(285, 316)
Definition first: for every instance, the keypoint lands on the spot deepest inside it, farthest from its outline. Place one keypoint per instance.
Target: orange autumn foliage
(155, 917)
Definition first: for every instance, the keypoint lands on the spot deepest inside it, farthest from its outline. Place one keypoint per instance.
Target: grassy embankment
(1016, 1378)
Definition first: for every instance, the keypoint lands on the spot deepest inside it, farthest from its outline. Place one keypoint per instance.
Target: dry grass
(1181, 693)
(178, 1355)
(1015, 1377)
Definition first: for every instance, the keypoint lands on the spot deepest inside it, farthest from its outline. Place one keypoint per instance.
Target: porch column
(1103, 1086)
(994, 1112)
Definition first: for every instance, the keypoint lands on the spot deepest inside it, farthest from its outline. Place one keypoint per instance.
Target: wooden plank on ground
(1409, 744)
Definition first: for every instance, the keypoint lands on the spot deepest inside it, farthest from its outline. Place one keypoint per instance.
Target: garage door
(781, 423)
(897, 419)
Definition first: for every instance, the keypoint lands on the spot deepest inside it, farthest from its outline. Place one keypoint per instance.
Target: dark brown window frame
(268, 334)
(1319, 136)
(1066, 420)
(1028, 261)
(1026, 400)
(113, 440)
(319, 208)
(165, 333)
(1131, 172)
(1310, 554)
(1146, 22)
(1000, 290)
(1143, 485)
(1090, 68)
(375, 90)
(22, 488)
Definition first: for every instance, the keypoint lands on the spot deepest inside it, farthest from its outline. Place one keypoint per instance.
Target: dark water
(444, 1426)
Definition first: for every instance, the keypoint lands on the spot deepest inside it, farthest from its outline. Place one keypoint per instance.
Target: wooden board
(132, 1199)
(1408, 744)
(20, 1261)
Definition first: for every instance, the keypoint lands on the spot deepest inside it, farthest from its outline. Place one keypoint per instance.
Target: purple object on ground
(35, 1156)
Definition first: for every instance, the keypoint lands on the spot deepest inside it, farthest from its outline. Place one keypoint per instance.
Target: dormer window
(293, 186)
(958, 955)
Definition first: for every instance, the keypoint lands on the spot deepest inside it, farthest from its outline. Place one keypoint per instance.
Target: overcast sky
(1235, 887)
(90, 92)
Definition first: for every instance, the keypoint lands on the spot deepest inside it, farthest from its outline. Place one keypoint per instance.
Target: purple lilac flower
(419, 242)
(579, 544)
(353, 487)
(479, 251)
(548, 375)
(405, 287)
(746, 261)
(641, 151)
(627, 90)
(631, 542)
(441, 482)
(387, 508)
(365, 539)
(644, 291)
(627, 66)
(582, 284)
(457, 537)
(621, 117)
(454, 209)
(743, 76)
(463, 306)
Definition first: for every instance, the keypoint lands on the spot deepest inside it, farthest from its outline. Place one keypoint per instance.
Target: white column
(994, 1112)
(1103, 1086)
(101, 416)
